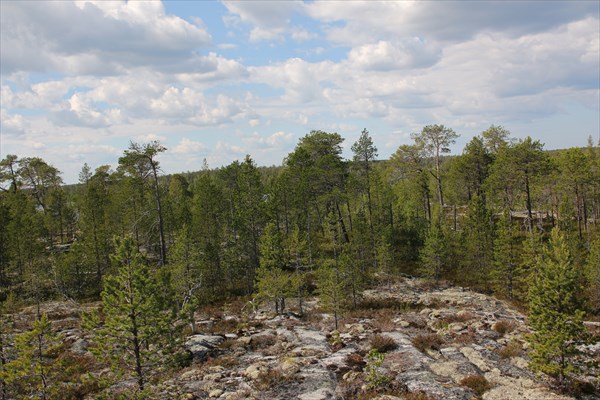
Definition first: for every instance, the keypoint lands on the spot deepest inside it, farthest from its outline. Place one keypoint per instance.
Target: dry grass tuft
(428, 341)
(504, 326)
(476, 383)
(512, 349)
(383, 343)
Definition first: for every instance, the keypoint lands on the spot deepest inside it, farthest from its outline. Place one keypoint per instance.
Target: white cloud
(150, 137)
(278, 139)
(94, 37)
(187, 146)
(11, 124)
(230, 149)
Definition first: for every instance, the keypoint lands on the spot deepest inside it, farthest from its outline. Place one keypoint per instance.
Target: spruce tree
(555, 314)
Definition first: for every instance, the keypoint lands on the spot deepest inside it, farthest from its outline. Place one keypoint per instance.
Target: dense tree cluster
(317, 224)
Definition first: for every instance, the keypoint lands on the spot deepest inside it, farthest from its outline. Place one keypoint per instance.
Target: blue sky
(219, 80)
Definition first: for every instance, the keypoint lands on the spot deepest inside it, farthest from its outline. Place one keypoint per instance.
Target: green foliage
(35, 370)
(478, 244)
(592, 277)
(332, 290)
(135, 334)
(506, 272)
(434, 253)
(375, 378)
(555, 313)
(273, 282)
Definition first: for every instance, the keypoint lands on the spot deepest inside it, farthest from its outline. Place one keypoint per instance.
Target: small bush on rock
(428, 341)
(382, 343)
(355, 361)
(476, 383)
(512, 349)
(504, 326)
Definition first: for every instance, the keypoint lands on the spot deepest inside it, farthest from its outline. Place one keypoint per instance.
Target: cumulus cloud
(12, 124)
(275, 140)
(269, 21)
(187, 146)
(360, 22)
(229, 149)
(88, 37)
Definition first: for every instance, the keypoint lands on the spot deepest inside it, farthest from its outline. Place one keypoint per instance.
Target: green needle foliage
(33, 373)
(554, 311)
(134, 337)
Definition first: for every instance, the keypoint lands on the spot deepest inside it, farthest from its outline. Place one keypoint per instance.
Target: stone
(320, 394)
(215, 393)
(80, 346)
(202, 345)
(244, 340)
(475, 358)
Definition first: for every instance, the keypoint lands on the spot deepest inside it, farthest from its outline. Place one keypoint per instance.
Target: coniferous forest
(505, 217)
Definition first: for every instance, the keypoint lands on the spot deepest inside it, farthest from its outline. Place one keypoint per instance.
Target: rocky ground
(437, 344)
(448, 343)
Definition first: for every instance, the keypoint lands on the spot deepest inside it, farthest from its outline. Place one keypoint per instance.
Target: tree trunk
(528, 203)
(161, 232)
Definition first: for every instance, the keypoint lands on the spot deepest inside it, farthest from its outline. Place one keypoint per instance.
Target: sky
(80, 80)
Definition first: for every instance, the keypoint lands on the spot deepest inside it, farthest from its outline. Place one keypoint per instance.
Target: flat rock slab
(202, 345)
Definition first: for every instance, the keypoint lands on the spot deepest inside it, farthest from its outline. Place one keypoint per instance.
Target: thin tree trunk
(161, 232)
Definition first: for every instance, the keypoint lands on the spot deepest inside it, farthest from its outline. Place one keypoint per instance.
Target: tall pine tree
(555, 313)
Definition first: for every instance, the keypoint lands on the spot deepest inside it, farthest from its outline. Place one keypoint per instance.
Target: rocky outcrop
(449, 343)
(443, 339)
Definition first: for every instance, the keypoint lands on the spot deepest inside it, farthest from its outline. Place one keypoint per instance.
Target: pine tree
(187, 274)
(592, 276)
(272, 281)
(555, 314)
(332, 289)
(32, 373)
(531, 253)
(478, 244)
(135, 334)
(506, 270)
(434, 252)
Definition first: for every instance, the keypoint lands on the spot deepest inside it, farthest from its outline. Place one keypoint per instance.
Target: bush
(383, 343)
(476, 383)
(262, 341)
(355, 361)
(466, 337)
(504, 326)
(428, 341)
(513, 349)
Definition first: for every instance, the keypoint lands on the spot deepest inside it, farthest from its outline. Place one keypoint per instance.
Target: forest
(505, 217)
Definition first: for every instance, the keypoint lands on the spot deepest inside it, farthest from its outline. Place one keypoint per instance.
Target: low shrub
(383, 343)
(262, 341)
(504, 326)
(355, 361)
(466, 337)
(428, 341)
(476, 383)
(512, 349)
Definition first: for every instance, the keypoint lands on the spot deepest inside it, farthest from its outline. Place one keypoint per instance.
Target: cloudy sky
(219, 80)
